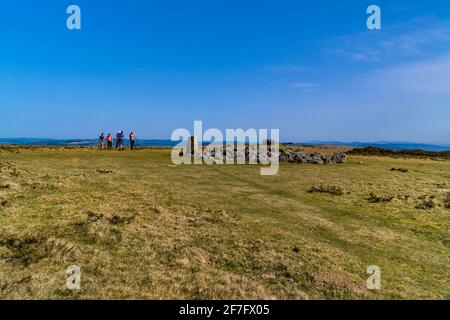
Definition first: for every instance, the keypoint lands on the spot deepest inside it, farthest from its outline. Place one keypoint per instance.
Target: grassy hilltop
(140, 227)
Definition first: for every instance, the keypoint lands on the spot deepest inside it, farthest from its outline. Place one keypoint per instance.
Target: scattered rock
(426, 202)
(446, 242)
(41, 186)
(399, 169)
(94, 216)
(404, 197)
(333, 190)
(158, 209)
(447, 201)
(104, 171)
(24, 250)
(9, 168)
(117, 219)
(377, 198)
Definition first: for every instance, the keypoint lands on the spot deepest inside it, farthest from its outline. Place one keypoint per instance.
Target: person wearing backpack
(119, 140)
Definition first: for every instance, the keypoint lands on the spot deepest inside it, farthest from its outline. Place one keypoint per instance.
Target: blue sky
(310, 68)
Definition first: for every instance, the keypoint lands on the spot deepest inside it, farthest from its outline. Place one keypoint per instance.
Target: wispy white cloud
(429, 77)
(410, 39)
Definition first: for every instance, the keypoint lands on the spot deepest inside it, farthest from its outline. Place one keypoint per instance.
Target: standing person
(109, 141)
(101, 140)
(122, 136)
(119, 140)
(132, 140)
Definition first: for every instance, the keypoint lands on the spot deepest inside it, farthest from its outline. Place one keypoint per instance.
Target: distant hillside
(397, 146)
(80, 142)
(374, 151)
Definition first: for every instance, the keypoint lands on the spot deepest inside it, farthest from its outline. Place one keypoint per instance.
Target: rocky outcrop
(300, 156)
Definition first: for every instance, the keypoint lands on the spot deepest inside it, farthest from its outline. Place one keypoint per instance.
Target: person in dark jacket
(119, 140)
(101, 141)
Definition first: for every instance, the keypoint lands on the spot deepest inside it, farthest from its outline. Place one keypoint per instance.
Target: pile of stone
(300, 156)
(251, 154)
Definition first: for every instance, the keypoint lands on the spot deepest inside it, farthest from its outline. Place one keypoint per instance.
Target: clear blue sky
(309, 68)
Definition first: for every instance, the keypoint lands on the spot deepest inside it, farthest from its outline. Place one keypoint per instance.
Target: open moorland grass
(142, 228)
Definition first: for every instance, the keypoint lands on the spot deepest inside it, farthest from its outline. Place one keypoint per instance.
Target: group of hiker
(119, 140)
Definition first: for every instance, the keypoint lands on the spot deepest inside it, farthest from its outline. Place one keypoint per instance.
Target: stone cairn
(251, 154)
(300, 156)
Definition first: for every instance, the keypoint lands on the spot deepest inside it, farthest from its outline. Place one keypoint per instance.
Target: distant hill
(396, 146)
(375, 151)
(80, 142)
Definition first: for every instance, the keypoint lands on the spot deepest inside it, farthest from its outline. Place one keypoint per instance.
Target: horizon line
(285, 142)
